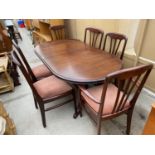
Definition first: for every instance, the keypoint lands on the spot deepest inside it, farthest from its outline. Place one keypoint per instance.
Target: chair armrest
(88, 95)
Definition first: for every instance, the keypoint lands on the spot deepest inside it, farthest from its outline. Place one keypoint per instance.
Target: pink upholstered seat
(110, 98)
(45, 90)
(51, 87)
(115, 100)
(41, 71)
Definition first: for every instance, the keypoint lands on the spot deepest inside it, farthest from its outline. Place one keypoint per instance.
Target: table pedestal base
(78, 102)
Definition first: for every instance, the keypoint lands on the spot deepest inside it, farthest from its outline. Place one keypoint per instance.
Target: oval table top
(74, 61)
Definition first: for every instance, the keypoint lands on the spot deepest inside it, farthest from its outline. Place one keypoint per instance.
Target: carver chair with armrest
(57, 32)
(117, 42)
(46, 90)
(93, 37)
(37, 72)
(107, 100)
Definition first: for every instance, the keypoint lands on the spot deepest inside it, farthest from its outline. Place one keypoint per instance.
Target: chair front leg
(129, 117)
(99, 126)
(42, 110)
(35, 101)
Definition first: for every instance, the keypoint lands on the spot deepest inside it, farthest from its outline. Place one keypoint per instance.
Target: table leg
(78, 102)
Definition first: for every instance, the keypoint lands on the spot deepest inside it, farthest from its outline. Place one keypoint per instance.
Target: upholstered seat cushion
(50, 87)
(41, 71)
(110, 98)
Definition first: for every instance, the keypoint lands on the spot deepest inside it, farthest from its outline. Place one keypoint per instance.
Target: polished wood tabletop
(74, 61)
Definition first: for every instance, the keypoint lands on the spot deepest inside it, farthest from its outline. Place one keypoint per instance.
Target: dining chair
(93, 36)
(46, 90)
(107, 100)
(37, 72)
(57, 32)
(117, 42)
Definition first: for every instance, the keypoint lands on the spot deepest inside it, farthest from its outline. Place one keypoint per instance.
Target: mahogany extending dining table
(77, 63)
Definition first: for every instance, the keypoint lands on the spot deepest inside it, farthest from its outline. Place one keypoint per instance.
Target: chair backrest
(95, 37)
(57, 32)
(18, 62)
(28, 68)
(128, 90)
(117, 42)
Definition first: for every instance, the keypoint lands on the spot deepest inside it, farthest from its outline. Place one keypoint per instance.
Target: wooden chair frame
(58, 31)
(126, 81)
(95, 34)
(37, 98)
(25, 61)
(115, 41)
